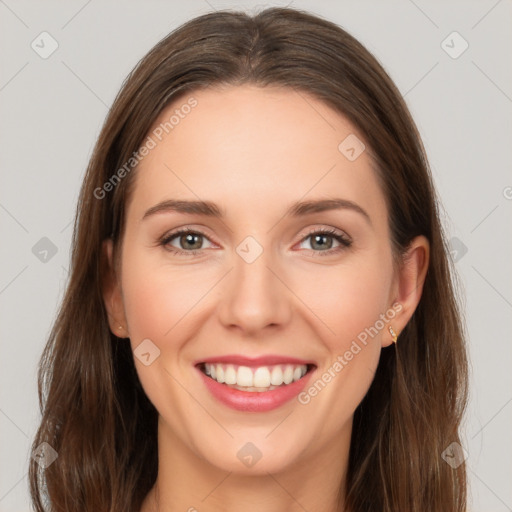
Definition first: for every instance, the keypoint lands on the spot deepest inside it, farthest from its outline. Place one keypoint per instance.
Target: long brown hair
(95, 414)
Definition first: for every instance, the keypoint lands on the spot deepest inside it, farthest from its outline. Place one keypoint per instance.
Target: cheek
(347, 299)
(350, 304)
(160, 304)
(157, 297)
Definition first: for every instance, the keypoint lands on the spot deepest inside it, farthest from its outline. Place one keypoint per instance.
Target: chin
(256, 457)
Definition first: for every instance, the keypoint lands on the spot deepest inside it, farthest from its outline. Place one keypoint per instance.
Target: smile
(255, 379)
(253, 386)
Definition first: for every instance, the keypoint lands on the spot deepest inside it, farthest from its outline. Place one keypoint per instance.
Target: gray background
(52, 110)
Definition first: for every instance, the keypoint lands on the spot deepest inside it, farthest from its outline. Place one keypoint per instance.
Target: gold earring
(393, 334)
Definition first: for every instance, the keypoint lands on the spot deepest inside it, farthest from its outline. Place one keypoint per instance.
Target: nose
(255, 295)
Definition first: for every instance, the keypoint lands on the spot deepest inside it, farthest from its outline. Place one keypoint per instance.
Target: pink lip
(257, 401)
(256, 361)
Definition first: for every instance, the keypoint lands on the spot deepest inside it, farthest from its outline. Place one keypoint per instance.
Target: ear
(112, 296)
(408, 285)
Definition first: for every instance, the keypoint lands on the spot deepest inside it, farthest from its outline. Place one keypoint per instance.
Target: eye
(320, 239)
(188, 239)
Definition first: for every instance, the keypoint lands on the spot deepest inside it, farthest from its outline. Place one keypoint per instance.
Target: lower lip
(254, 401)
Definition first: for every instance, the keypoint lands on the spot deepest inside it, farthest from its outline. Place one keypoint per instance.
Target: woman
(243, 371)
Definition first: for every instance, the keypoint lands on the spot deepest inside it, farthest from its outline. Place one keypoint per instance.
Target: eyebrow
(298, 209)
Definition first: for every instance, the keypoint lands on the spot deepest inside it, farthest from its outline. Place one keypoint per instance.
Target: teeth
(230, 375)
(244, 377)
(276, 378)
(259, 378)
(288, 374)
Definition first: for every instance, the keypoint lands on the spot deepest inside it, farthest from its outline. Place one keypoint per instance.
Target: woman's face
(265, 281)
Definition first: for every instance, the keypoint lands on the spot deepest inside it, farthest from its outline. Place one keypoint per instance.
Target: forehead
(248, 146)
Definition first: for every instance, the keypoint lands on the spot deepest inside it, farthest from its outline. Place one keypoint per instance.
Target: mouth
(255, 379)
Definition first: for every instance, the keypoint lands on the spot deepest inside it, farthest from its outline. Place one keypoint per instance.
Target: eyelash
(344, 241)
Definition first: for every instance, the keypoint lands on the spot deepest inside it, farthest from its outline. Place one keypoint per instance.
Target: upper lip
(267, 360)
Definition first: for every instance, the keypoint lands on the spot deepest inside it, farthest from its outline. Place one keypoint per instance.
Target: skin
(254, 151)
